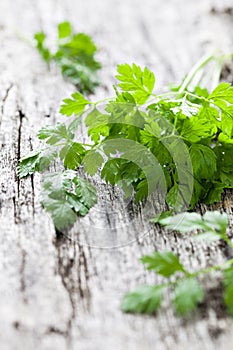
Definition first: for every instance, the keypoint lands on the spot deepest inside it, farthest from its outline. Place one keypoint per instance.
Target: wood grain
(59, 294)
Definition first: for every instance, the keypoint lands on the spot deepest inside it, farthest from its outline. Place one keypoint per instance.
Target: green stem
(165, 94)
(213, 268)
(103, 100)
(196, 96)
(65, 143)
(227, 240)
(24, 38)
(177, 93)
(205, 271)
(197, 67)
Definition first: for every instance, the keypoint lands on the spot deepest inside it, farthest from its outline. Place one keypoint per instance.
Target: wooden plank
(59, 294)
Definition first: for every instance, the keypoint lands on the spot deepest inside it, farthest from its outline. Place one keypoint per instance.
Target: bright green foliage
(146, 299)
(64, 30)
(29, 164)
(165, 264)
(54, 134)
(36, 161)
(203, 160)
(92, 162)
(139, 83)
(178, 144)
(65, 195)
(40, 44)
(75, 105)
(75, 56)
(212, 225)
(228, 293)
(187, 291)
(194, 129)
(223, 92)
(72, 154)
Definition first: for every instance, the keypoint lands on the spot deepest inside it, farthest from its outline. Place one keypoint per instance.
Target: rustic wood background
(59, 294)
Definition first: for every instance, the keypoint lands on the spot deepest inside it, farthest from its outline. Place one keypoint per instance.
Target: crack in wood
(55, 330)
(228, 10)
(5, 98)
(22, 272)
(21, 116)
(71, 268)
(63, 271)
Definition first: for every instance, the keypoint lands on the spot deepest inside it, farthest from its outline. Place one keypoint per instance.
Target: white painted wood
(55, 294)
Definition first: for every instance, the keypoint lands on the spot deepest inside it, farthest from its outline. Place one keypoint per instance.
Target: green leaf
(224, 158)
(81, 43)
(165, 264)
(228, 289)
(72, 154)
(65, 195)
(210, 113)
(203, 160)
(76, 105)
(61, 212)
(227, 179)
(223, 92)
(187, 222)
(130, 172)
(188, 293)
(213, 195)
(194, 129)
(222, 97)
(40, 44)
(111, 171)
(75, 55)
(28, 164)
(98, 125)
(92, 162)
(140, 83)
(227, 124)
(77, 205)
(224, 138)
(142, 191)
(64, 30)
(216, 221)
(54, 134)
(158, 217)
(176, 197)
(183, 222)
(36, 161)
(208, 236)
(86, 192)
(146, 299)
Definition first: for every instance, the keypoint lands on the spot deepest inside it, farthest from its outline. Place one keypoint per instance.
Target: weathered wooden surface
(56, 294)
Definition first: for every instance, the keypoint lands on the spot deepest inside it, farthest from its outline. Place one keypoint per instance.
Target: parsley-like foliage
(75, 55)
(155, 135)
(185, 287)
(142, 141)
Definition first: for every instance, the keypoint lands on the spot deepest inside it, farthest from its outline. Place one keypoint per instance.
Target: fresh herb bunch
(75, 56)
(184, 285)
(155, 135)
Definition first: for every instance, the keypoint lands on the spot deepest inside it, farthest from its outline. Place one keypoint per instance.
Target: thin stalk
(24, 38)
(103, 100)
(197, 67)
(198, 273)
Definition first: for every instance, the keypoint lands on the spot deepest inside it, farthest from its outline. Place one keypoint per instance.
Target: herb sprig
(156, 135)
(185, 285)
(75, 55)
